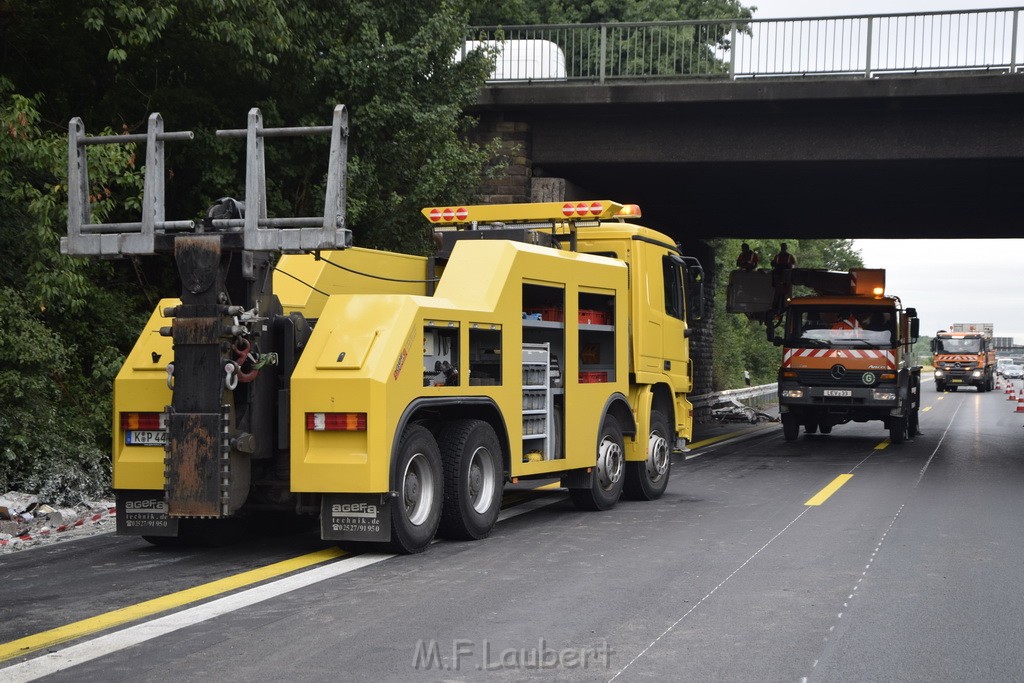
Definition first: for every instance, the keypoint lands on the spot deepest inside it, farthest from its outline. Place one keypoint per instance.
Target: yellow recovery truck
(392, 395)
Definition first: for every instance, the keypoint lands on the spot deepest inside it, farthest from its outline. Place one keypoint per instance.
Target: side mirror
(915, 330)
(911, 312)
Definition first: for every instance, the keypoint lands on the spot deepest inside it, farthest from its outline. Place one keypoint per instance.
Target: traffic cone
(1020, 404)
(1012, 396)
(1009, 387)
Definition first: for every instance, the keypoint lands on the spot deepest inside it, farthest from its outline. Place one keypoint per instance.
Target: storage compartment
(596, 331)
(484, 354)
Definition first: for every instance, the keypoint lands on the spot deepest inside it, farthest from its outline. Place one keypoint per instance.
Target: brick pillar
(513, 163)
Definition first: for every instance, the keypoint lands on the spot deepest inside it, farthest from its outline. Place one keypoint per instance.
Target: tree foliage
(57, 357)
(66, 324)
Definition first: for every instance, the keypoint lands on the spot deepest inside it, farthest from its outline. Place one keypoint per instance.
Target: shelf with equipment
(596, 329)
(536, 402)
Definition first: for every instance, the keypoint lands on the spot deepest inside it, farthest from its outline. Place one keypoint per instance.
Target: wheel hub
(658, 455)
(609, 463)
(418, 489)
(480, 480)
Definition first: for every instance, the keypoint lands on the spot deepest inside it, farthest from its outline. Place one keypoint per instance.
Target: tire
(790, 427)
(825, 428)
(811, 427)
(898, 429)
(609, 472)
(418, 481)
(940, 387)
(648, 480)
(473, 476)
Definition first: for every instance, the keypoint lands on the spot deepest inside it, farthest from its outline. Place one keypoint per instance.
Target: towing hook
(170, 376)
(230, 375)
(242, 355)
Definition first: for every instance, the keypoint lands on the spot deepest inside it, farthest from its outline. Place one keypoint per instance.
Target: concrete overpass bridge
(906, 125)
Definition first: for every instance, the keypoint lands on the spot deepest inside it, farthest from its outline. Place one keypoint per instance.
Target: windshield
(840, 326)
(957, 345)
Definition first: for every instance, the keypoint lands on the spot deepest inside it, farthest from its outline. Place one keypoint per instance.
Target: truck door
(675, 346)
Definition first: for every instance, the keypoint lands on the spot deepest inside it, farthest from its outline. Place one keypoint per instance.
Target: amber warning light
(540, 211)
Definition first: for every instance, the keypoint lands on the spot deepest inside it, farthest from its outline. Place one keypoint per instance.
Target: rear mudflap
(144, 513)
(355, 517)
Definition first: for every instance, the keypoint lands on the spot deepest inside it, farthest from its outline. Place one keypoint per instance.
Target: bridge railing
(868, 45)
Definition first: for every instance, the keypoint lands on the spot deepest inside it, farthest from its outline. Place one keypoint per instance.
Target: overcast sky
(946, 280)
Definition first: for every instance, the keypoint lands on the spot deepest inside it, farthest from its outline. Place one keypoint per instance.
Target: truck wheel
(898, 429)
(647, 480)
(913, 424)
(811, 427)
(790, 427)
(825, 428)
(473, 475)
(939, 386)
(609, 470)
(417, 510)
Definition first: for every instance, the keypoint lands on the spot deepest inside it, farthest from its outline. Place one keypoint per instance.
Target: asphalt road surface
(908, 570)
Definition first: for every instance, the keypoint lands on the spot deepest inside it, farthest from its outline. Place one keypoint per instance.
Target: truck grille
(825, 378)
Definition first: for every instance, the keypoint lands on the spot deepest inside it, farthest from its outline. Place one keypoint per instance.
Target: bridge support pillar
(512, 184)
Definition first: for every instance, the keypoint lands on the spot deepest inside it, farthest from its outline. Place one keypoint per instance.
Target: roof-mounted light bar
(594, 210)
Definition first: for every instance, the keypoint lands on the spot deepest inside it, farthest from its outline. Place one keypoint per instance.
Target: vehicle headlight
(792, 393)
(938, 373)
(883, 395)
(976, 373)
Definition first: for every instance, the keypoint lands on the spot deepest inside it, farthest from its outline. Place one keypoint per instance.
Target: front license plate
(956, 381)
(140, 437)
(838, 392)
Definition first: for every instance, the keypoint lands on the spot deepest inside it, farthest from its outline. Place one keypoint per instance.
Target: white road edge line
(94, 648)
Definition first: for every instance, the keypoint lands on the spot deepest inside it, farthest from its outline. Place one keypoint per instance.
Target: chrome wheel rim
(658, 456)
(610, 462)
(480, 480)
(418, 489)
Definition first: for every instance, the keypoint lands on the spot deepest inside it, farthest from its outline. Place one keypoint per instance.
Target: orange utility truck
(965, 355)
(845, 348)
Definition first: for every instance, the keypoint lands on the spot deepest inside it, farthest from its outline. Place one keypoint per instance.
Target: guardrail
(746, 393)
(866, 45)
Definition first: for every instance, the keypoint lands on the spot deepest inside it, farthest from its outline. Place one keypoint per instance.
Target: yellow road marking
(882, 446)
(823, 495)
(940, 398)
(925, 410)
(38, 641)
(723, 437)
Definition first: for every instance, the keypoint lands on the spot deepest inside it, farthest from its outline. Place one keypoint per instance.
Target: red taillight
(141, 421)
(336, 422)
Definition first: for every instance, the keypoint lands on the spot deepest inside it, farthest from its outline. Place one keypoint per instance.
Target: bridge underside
(907, 157)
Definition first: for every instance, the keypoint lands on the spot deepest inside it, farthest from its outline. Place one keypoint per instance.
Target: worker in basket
(748, 259)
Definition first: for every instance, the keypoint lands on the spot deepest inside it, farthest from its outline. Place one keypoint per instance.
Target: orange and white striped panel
(839, 354)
